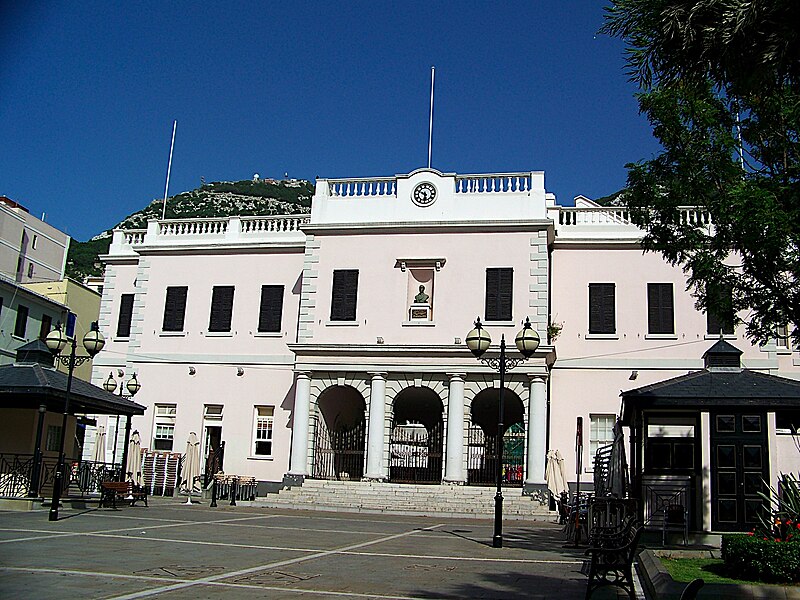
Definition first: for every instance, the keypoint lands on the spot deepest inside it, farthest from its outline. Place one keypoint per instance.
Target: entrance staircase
(406, 499)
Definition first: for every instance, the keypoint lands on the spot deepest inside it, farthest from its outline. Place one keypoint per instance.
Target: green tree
(720, 84)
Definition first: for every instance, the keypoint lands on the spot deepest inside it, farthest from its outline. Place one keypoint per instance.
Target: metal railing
(21, 476)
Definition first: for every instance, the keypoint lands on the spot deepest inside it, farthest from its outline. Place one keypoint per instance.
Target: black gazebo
(32, 396)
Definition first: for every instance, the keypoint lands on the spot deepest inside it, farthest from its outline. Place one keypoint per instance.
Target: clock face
(424, 194)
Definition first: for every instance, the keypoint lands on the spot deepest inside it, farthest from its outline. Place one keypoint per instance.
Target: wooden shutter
(660, 308)
(175, 308)
(719, 314)
(602, 317)
(221, 308)
(271, 311)
(499, 292)
(344, 295)
(125, 315)
(22, 321)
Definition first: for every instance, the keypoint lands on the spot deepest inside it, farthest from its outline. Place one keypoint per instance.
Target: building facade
(332, 345)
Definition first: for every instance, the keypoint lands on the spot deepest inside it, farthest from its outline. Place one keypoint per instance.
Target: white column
(537, 430)
(377, 425)
(454, 466)
(302, 399)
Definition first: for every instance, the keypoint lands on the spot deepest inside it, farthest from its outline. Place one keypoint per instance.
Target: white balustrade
(487, 184)
(133, 237)
(352, 188)
(254, 225)
(594, 216)
(180, 227)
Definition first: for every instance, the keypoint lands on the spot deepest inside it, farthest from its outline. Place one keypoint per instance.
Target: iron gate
(415, 454)
(482, 456)
(339, 454)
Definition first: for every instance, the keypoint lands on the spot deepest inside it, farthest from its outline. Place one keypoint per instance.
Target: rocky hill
(218, 199)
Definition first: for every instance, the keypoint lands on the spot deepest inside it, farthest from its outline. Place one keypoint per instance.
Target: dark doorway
(213, 453)
(340, 434)
(739, 467)
(482, 459)
(417, 439)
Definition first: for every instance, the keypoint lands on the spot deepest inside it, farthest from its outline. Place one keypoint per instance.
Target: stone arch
(339, 422)
(416, 441)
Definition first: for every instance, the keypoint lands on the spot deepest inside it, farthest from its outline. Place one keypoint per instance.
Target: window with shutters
(660, 309)
(175, 308)
(601, 433)
(164, 426)
(22, 321)
(602, 312)
(782, 338)
(221, 308)
(344, 295)
(270, 312)
(719, 315)
(499, 292)
(125, 315)
(47, 325)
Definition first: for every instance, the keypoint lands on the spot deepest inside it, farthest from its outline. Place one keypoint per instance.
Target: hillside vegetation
(218, 199)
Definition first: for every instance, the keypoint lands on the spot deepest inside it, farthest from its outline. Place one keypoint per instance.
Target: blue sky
(88, 92)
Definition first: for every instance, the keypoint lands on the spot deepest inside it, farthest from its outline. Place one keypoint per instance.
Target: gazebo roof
(31, 382)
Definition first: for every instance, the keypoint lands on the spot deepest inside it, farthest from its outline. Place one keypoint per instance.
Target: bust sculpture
(422, 297)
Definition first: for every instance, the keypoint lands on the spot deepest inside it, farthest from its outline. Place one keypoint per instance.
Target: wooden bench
(123, 490)
(612, 555)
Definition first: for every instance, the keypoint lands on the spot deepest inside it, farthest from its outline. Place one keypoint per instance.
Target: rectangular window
(52, 444)
(344, 295)
(262, 438)
(719, 314)
(499, 290)
(175, 308)
(125, 316)
(270, 312)
(212, 412)
(47, 325)
(782, 337)
(602, 317)
(22, 321)
(164, 426)
(221, 308)
(35, 240)
(30, 270)
(660, 308)
(601, 432)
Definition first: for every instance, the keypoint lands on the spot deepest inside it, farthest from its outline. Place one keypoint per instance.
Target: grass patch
(712, 570)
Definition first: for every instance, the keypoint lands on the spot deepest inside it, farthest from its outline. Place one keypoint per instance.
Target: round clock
(424, 194)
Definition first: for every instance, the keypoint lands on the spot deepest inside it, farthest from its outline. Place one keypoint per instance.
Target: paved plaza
(171, 550)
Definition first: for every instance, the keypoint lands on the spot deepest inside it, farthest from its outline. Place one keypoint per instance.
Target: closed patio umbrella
(555, 473)
(134, 466)
(618, 467)
(100, 445)
(191, 466)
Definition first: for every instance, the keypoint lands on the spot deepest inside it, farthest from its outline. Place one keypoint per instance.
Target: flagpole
(430, 120)
(169, 169)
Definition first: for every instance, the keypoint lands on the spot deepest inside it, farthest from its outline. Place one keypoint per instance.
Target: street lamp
(133, 386)
(56, 340)
(478, 341)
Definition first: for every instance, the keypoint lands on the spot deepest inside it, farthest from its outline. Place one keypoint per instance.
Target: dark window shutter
(22, 321)
(499, 293)
(125, 315)
(271, 311)
(47, 322)
(602, 317)
(175, 308)
(344, 295)
(719, 314)
(221, 308)
(660, 308)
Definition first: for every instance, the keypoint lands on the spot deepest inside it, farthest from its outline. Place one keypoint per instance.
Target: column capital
(377, 374)
(538, 377)
(303, 374)
(453, 376)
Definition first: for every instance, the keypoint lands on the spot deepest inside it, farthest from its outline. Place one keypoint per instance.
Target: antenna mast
(430, 120)
(169, 169)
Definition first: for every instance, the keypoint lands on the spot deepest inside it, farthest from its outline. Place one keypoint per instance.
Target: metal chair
(676, 518)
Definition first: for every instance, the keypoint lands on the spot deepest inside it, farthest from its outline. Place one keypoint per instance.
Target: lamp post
(478, 341)
(56, 340)
(110, 385)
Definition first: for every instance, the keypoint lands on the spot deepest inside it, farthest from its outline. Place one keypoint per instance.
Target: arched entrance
(339, 435)
(482, 460)
(415, 446)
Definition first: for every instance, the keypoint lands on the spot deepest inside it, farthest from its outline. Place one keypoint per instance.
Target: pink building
(332, 346)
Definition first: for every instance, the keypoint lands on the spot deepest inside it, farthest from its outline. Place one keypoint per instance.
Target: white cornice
(221, 248)
(428, 226)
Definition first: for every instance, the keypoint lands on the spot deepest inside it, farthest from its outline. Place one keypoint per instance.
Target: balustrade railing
(488, 184)
(134, 236)
(272, 224)
(620, 215)
(349, 188)
(192, 227)
(81, 478)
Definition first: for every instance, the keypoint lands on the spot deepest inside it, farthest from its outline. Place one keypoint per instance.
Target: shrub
(758, 558)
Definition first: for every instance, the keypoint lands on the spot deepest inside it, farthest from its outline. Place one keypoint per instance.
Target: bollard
(233, 490)
(214, 493)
